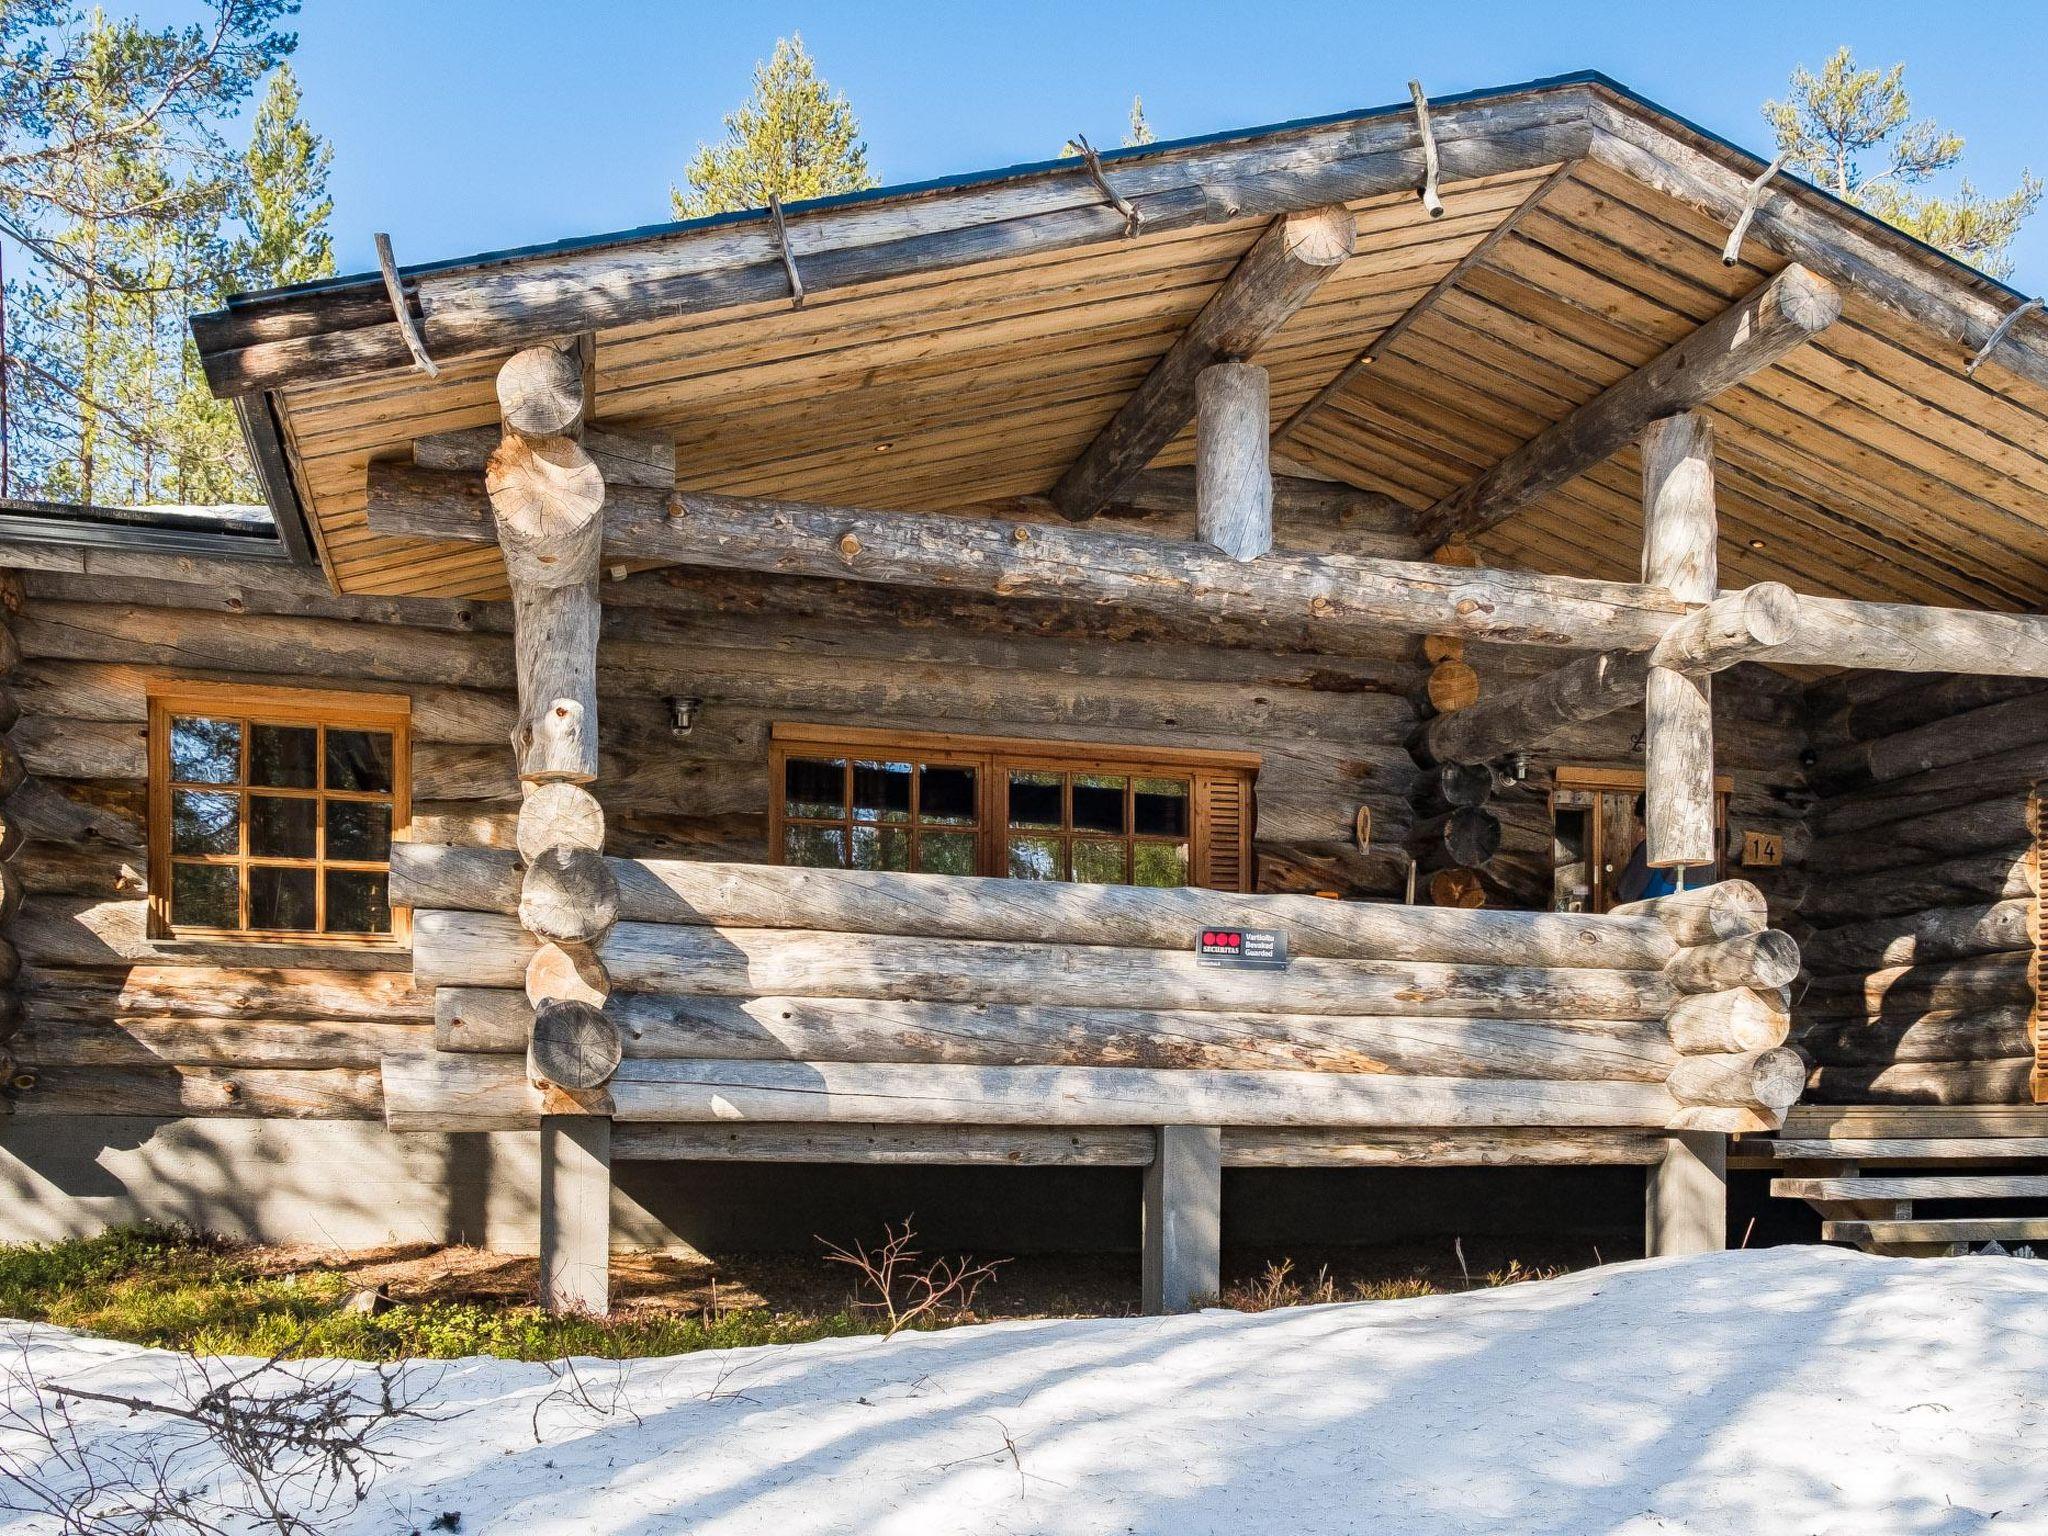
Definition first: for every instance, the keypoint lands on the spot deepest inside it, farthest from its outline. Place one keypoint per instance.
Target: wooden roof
(1865, 464)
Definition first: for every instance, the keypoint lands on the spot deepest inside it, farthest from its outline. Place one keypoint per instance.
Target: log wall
(112, 1021)
(1919, 924)
(115, 1022)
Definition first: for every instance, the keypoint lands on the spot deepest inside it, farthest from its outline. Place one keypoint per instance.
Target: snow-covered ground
(1802, 1390)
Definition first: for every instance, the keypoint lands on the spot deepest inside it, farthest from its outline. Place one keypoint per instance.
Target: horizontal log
(1130, 1146)
(488, 950)
(197, 1040)
(1974, 1034)
(440, 1091)
(1284, 1147)
(1901, 1149)
(968, 907)
(1926, 1082)
(1971, 825)
(276, 342)
(1311, 503)
(1961, 738)
(706, 1091)
(1941, 933)
(1975, 879)
(1899, 637)
(888, 1030)
(1759, 961)
(83, 931)
(1336, 594)
(1023, 1146)
(1735, 627)
(189, 988)
(1706, 914)
(1980, 981)
(1769, 1079)
(341, 1093)
(1856, 707)
(1744, 339)
(1740, 1020)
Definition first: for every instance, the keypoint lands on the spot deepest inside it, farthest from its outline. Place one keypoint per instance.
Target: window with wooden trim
(272, 812)
(967, 805)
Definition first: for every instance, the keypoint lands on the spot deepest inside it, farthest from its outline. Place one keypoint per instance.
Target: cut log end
(1807, 300)
(1322, 237)
(569, 896)
(559, 815)
(573, 1046)
(548, 496)
(540, 391)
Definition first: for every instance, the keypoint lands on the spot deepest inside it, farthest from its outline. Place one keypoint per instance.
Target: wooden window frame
(289, 707)
(993, 758)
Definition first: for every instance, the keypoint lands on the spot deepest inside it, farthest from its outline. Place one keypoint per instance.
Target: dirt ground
(1033, 1285)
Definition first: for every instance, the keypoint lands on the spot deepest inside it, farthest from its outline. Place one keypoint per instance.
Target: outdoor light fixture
(682, 714)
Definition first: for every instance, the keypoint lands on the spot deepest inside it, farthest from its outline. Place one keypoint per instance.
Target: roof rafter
(1289, 262)
(1742, 340)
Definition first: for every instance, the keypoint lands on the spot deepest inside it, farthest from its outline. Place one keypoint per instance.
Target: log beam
(1739, 342)
(1738, 626)
(1345, 594)
(1273, 280)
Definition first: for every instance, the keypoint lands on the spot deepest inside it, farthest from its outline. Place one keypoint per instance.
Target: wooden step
(1959, 1186)
(1864, 1122)
(1902, 1149)
(1972, 1229)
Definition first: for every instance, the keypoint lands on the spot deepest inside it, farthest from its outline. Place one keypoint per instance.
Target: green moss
(173, 1289)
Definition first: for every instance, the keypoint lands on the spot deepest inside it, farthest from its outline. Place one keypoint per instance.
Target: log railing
(747, 993)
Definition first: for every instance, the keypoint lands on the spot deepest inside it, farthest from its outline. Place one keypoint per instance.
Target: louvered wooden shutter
(1223, 831)
(2035, 1032)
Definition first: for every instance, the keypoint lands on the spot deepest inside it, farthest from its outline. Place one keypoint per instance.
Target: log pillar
(1183, 1230)
(575, 1213)
(1679, 534)
(547, 501)
(1233, 476)
(1687, 1208)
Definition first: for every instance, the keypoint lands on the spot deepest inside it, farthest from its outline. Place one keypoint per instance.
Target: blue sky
(463, 126)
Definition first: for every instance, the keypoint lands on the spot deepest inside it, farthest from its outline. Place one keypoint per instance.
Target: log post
(1687, 1206)
(1678, 553)
(575, 1213)
(1183, 1230)
(547, 502)
(1233, 480)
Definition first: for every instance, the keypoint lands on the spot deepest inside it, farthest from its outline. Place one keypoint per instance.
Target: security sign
(1245, 949)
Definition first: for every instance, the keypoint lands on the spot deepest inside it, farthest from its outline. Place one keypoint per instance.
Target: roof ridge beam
(1286, 265)
(1742, 340)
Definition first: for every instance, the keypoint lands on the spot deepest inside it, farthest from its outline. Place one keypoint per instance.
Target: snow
(1804, 1390)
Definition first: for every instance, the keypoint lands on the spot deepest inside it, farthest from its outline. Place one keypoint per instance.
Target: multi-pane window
(1028, 810)
(272, 813)
(1097, 828)
(882, 813)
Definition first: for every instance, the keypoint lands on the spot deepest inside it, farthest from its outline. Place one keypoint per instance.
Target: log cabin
(1491, 631)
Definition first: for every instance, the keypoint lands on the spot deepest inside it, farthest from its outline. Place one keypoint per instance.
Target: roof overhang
(962, 339)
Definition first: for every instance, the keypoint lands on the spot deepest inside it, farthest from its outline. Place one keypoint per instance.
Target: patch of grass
(173, 1289)
(1278, 1286)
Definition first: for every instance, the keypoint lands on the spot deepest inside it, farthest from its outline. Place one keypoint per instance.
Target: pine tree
(793, 139)
(1852, 131)
(285, 205)
(1140, 131)
(116, 183)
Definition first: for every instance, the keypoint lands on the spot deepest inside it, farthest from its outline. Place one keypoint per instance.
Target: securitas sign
(1248, 949)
